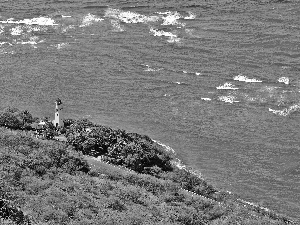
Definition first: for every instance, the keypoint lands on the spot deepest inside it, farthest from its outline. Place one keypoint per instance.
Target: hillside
(53, 182)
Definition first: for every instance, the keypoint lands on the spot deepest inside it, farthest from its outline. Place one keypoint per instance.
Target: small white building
(58, 119)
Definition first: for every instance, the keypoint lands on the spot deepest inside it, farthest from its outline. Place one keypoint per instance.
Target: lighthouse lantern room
(58, 119)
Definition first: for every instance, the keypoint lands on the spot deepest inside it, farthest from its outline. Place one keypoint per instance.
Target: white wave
(171, 18)
(285, 80)
(286, 111)
(16, 30)
(32, 41)
(246, 79)
(227, 85)
(117, 26)
(149, 69)
(252, 204)
(166, 147)
(129, 17)
(42, 21)
(61, 45)
(285, 67)
(206, 99)
(197, 73)
(65, 16)
(23, 29)
(5, 52)
(89, 19)
(229, 99)
(191, 16)
(65, 29)
(3, 43)
(172, 38)
(177, 162)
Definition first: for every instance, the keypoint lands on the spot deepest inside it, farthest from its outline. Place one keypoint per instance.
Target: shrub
(131, 150)
(15, 119)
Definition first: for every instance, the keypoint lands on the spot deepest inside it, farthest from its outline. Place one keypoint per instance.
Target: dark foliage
(15, 119)
(134, 151)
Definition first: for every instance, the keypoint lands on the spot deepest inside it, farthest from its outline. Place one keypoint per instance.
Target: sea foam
(191, 16)
(89, 19)
(246, 79)
(285, 80)
(286, 111)
(171, 37)
(229, 99)
(42, 21)
(129, 17)
(171, 18)
(117, 26)
(15, 31)
(206, 99)
(149, 69)
(227, 85)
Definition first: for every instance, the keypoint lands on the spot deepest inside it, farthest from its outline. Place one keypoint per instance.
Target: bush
(134, 151)
(15, 119)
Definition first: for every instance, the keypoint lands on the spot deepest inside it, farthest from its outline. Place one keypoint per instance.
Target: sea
(217, 81)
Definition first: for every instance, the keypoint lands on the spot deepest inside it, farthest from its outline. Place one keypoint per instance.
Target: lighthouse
(58, 119)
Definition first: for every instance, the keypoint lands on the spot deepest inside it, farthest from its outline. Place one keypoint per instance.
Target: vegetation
(15, 119)
(51, 182)
(134, 151)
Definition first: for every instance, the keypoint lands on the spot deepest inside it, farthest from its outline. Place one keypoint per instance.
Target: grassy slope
(49, 183)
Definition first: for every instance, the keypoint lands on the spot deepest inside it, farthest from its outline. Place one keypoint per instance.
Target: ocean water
(217, 81)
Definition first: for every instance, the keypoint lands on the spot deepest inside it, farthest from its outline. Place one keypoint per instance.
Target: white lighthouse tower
(58, 119)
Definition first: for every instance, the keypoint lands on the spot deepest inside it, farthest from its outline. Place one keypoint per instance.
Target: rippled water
(218, 81)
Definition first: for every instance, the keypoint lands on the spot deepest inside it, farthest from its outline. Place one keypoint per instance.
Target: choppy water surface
(218, 81)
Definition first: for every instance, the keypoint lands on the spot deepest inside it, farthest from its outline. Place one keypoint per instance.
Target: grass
(49, 182)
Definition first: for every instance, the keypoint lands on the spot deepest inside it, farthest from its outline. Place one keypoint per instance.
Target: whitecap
(286, 111)
(65, 29)
(285, 67)
(229, 99)
(61, 45)
(246, 79)
(117, 26)
(32, 41)
(226, 86)
(197, 73)
(174, 40)
(191, 16)
(285, 80)
(129, 17)
(16, 31)
(42, 21)
(171, 37)
(206, 99)
(171, 18)
(89, 19)
(149, 69)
